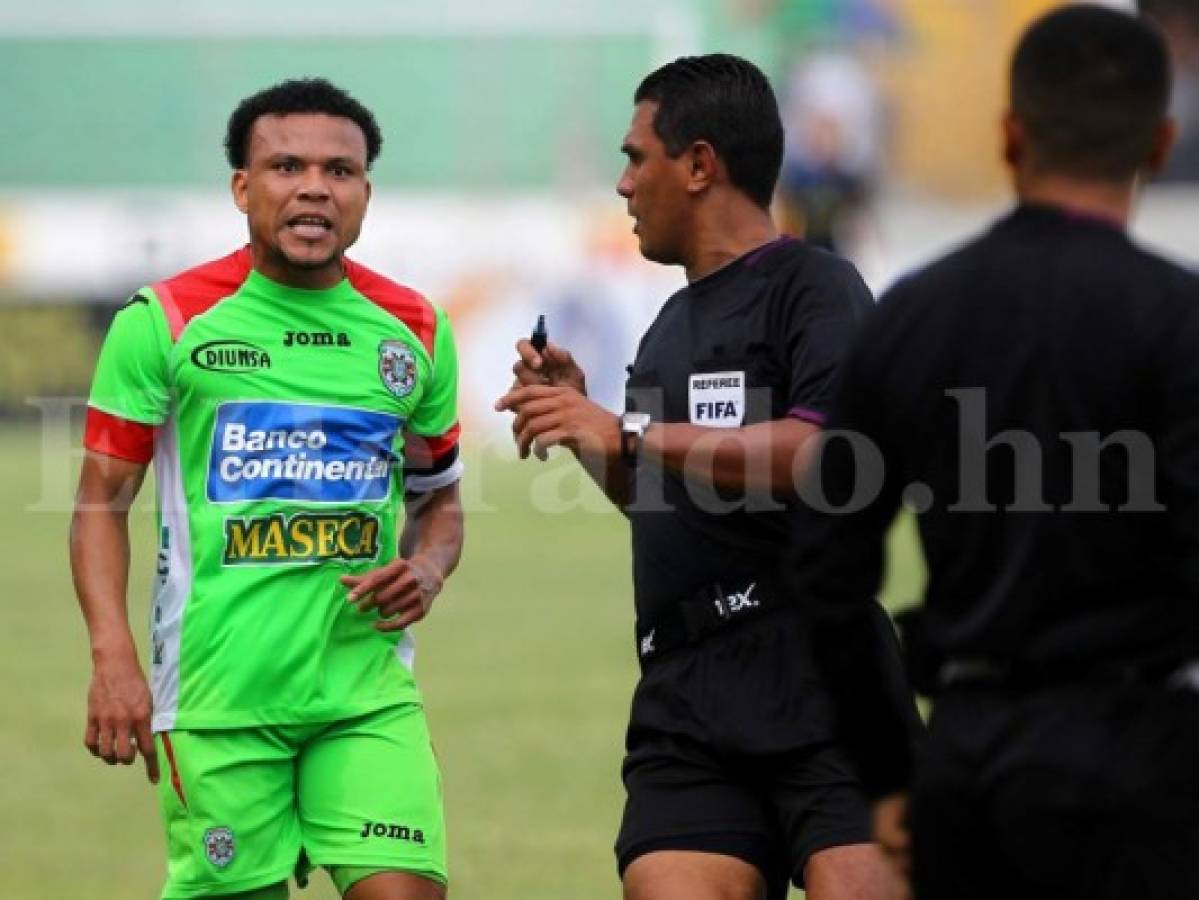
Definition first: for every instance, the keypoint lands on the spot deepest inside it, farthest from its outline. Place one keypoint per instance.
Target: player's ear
(1014, 140)
(1163, 143)
(368, 190)
(239, 185)
(704, 166)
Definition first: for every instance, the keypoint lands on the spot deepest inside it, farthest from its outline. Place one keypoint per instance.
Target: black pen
(539, 338)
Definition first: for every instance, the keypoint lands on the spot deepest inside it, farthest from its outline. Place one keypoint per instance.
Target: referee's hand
(891, 833)
(554, 367)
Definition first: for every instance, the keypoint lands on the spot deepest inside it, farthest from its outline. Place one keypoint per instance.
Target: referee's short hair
(726, 101)
(1091, 86)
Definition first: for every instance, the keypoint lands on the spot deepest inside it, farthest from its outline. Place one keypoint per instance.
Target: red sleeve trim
(431, 454)
(188, 294)
(114, 436)
(404, 303)
(442, 444)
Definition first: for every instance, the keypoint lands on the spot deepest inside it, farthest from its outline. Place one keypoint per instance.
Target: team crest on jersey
(219, 846)
(397, 367)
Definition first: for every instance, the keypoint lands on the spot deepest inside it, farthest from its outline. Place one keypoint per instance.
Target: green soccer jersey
(281, 423)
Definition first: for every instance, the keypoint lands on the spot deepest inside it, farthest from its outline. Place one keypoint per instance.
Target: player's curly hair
(726, 101)
(297, 96)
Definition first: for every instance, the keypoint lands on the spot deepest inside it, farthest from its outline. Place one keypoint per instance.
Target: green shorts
(249, 807)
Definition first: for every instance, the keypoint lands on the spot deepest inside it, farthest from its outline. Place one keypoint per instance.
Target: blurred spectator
(834, 121)
(1179, 19)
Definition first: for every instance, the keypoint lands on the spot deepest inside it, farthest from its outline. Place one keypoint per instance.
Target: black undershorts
(730, 751)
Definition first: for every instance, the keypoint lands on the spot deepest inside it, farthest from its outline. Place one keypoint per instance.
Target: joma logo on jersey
(300, 538)
(315, 339)
(395, 832)
(230, 356)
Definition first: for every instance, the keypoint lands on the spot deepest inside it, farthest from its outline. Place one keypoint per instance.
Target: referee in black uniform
(733, 782)
(1035, 395)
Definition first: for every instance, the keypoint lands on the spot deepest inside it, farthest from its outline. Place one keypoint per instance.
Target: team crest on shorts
(397, 367)
(219, 846)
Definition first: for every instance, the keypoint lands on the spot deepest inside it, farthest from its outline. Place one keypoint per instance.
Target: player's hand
(402, 591)
(891, 833)
(554, 367)
(119, 707)
(549, 416)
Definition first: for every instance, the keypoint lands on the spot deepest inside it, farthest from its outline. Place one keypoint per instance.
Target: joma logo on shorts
(394, 832)
(305, 537)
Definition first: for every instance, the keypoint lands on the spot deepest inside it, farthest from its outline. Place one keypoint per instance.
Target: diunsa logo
(231, 356)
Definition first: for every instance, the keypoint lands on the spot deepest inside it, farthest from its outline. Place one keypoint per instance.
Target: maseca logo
(231, 356)
(301, 538)
(295, 451)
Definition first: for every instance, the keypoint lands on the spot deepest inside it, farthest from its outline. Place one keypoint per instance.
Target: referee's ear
(1164, 139)
(704, 167)
(1015, 141)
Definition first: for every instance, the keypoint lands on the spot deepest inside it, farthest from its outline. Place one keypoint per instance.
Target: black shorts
(1077, 792)
(730, 751)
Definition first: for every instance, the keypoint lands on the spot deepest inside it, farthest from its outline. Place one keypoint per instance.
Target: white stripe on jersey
(171, 589)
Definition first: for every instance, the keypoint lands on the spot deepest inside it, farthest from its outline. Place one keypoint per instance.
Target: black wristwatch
(633, 426)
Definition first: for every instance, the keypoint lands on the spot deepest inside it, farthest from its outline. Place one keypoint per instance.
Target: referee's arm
(768, 457)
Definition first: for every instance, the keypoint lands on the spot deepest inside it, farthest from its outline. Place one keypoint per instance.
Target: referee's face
(655, 187)
(304, 192)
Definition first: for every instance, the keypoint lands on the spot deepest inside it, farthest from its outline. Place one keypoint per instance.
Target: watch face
(635, 421)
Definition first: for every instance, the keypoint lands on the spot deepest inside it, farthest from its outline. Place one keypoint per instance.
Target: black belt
(1026, 676)
(710, 609)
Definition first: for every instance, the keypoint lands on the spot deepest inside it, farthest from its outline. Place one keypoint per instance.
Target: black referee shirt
(759, 339)
(1058, 332)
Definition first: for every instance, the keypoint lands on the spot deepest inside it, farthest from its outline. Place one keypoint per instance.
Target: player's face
(655, 187)
(304, 192)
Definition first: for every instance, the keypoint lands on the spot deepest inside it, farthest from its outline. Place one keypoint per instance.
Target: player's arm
(403, 590)
(130, 396)
(119, 705)
(430, 545)
(434, 532)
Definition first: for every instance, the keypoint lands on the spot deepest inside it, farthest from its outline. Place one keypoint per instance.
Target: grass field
(526, 665)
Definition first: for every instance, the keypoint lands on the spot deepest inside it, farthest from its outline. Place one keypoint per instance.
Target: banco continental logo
(231, 356)
(300, 538)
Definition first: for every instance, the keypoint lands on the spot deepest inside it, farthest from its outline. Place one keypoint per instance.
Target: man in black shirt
(733, 783)
(1035, 396)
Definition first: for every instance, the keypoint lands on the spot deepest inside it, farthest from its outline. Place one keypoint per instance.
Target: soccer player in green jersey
(289, 399)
